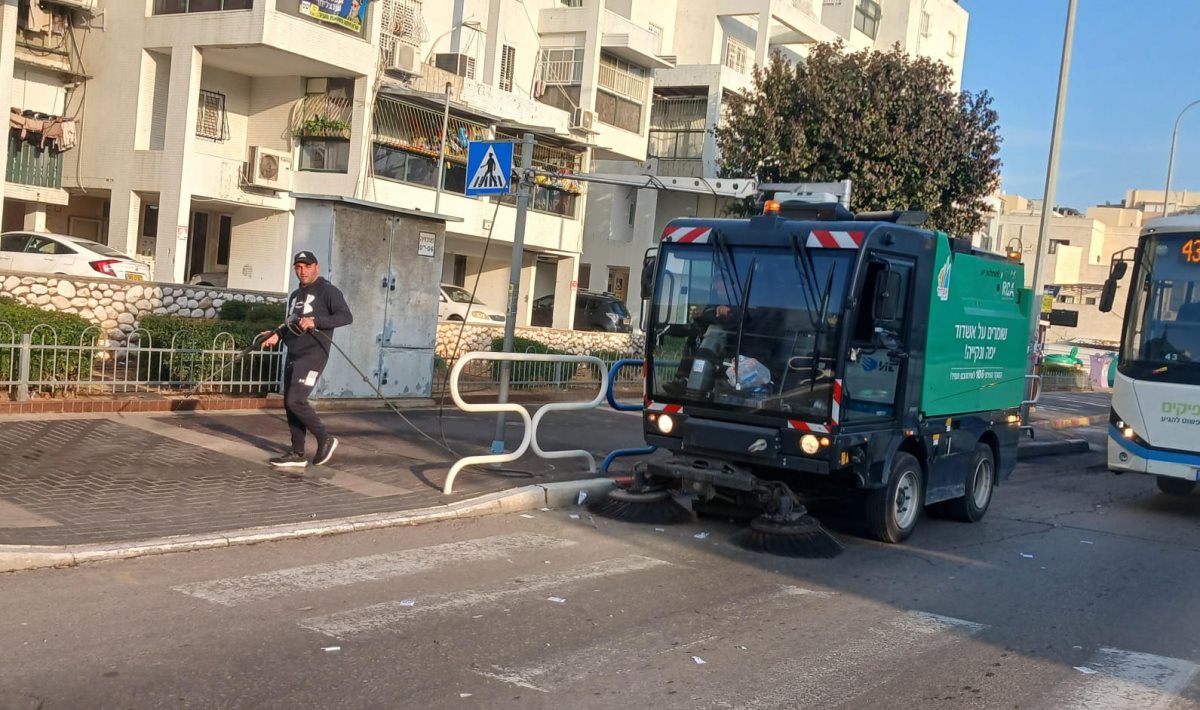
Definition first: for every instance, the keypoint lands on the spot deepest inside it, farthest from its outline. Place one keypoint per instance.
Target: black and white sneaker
(289, 460)
(325, 450)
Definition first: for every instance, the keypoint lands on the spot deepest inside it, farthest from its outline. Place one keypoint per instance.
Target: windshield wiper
(821, 328)
(726, 252)
(806, 270)
(743, 306)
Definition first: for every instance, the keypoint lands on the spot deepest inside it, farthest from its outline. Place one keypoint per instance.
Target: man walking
(313, 311)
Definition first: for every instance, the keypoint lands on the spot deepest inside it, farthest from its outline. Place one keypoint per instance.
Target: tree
(889, 122)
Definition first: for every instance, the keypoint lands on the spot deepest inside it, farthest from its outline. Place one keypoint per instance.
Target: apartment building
(42, 71)
(716, 44)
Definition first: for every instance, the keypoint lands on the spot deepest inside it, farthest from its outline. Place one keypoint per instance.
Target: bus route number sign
(1190, 251)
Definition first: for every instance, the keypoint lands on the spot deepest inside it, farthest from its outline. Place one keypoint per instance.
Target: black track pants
(300, 376)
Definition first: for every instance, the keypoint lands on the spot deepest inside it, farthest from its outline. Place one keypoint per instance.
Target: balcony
(30, 165)
(619, 36)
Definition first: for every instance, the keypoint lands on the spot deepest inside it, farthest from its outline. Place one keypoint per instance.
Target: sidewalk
(85, 487)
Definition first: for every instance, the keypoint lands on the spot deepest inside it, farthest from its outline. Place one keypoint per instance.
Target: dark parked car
(593, 311)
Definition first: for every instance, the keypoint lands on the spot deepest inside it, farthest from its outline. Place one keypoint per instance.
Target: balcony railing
(30, 165)
(175, 7)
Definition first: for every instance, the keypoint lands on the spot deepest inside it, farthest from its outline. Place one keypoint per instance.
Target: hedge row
(197, 334)
(65, 330)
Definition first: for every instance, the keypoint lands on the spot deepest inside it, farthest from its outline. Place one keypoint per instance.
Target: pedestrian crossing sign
(489, 167)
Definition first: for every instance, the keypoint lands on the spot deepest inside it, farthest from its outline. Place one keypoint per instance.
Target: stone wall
(576, 342)
(116, 305)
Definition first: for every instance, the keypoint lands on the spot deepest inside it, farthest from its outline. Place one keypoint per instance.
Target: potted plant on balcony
(324, 127)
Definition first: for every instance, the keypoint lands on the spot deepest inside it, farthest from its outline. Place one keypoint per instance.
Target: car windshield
(618, 308)
(460, 295)
(779, 358)
(1162, 326)
(101, 249)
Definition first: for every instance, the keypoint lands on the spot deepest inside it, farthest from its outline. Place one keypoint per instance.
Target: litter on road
(329, 649)
(1026, 555)
(556, 600)
(582, 498)
(700, 535)
(699, 661)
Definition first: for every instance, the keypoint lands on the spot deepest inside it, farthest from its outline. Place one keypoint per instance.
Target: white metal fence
(40, 361)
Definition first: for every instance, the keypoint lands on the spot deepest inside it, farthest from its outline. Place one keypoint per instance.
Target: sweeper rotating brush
(792, 535)
(650, 506)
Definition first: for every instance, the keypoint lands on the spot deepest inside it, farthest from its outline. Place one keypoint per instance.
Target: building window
(174, 7)
(224, 238)
(324, 155)
(866, 17)
(1089, 300)
(622, 90)
(1056, 243)
(925, 21)
(572, 3)
(737, 55)
(211, 121)
(561, 65)
(677, 134)
(508, 60)
(953, 45)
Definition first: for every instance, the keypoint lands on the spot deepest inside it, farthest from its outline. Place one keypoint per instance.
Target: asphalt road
(1077, 590)
(1073, 404)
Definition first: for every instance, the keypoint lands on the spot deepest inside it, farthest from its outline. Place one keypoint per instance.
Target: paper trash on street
(700, 535)
(582, 498)
(556, 600)
(699, 661)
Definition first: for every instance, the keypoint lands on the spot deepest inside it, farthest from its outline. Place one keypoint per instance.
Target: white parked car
(67, 256)
(456, 304)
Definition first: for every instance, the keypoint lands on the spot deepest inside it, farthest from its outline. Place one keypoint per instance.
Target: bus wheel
(1175, 486)
(892, 511)
(981, 479)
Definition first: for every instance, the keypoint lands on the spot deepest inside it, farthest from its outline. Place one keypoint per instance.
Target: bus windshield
(739, 327)
(1162, 323)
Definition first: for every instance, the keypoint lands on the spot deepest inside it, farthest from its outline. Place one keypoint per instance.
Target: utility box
(388, 263)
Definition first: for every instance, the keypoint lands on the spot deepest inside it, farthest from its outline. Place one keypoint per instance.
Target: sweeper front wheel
(646, 505)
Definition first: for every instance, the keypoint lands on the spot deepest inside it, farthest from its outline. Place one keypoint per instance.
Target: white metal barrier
(529, 437)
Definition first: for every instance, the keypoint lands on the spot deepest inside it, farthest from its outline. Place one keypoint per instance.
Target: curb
(1034, 449)
(14, 558)
(1069, 422)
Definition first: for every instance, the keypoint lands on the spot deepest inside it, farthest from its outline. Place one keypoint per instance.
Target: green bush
(233, 310)
(529, 372)
(184, 338)
(266, 312)
(49, 328)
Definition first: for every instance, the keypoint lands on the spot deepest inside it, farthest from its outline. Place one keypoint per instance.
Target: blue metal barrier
(622, 407)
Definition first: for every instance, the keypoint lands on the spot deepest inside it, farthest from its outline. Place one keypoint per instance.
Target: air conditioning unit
(583, 119)
(270, 169)
(85, 5)
(457, 64)
(404, 60)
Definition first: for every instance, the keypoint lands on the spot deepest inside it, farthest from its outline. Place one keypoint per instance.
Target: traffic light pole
(514, 283)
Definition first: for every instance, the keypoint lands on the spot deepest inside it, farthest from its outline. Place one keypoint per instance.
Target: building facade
(717, 44)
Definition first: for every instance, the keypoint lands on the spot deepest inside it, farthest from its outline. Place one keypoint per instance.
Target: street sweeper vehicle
(808, 352)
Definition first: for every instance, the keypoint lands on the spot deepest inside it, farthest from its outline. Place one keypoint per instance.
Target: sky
(1135, 64)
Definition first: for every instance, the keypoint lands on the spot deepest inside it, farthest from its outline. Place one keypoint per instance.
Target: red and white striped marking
(664, 408)
(687, 235)
(805, 426)
(825, 239)
(835, 414)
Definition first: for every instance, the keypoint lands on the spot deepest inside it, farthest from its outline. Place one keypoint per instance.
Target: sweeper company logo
(943, 282)
(758, 446)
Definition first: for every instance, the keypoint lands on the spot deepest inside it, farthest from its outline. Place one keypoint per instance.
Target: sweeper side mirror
(1110, 286)
(885, 309)
(648, 273)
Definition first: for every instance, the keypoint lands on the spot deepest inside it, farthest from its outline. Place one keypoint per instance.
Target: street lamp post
(1048, 198)
(1171, 155)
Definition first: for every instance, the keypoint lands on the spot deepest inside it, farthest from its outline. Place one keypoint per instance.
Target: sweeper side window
(877, 341)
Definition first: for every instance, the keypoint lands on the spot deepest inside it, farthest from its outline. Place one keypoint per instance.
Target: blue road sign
(489, 167)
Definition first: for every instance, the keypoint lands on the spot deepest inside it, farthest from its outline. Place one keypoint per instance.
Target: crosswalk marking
(824, 677)
(635, 649)
(1124, 679)
(377, 616)
(268, 585)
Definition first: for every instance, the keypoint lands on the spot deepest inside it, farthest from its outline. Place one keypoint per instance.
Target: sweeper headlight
(810, 444)
(666, 424)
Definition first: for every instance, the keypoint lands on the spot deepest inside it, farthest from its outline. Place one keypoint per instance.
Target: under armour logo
(757, 446)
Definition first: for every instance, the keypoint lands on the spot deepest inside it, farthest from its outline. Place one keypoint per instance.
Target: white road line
(824, 677)
(1125, 679)
(378, 616)
(268, 585)
(633, 650)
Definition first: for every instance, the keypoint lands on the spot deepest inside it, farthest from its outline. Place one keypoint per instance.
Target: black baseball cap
(304, 257)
